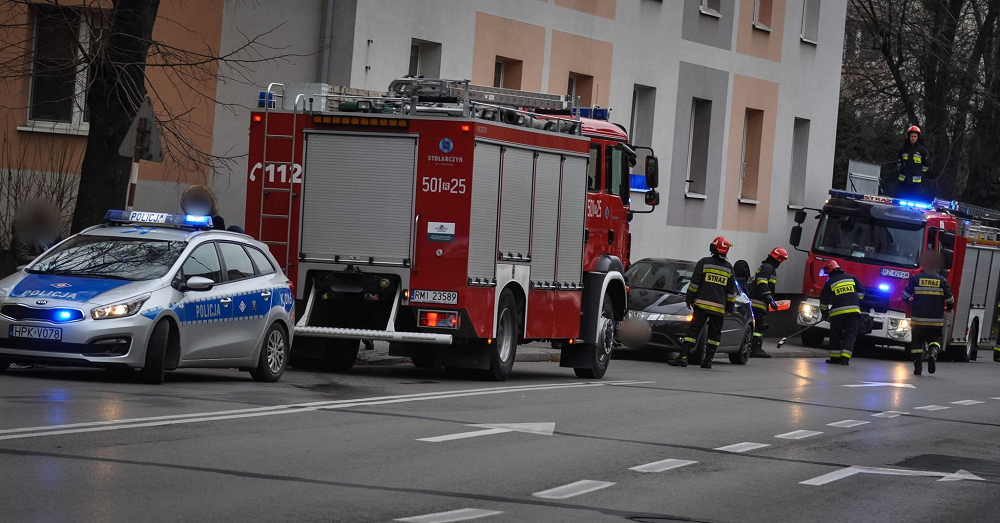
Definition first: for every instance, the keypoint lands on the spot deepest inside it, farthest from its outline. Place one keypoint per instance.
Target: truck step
(361, 334)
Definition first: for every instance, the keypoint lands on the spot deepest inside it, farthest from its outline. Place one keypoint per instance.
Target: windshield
(105, 257)
(869, 240)
(671, 276)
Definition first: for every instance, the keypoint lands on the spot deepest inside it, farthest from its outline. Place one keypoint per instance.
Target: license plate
(36, 333)
(447, 298)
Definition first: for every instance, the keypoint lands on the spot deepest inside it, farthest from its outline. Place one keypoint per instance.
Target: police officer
(931, 295)
(762, 297)
(914, 162)
(712, 295)
(840, 303)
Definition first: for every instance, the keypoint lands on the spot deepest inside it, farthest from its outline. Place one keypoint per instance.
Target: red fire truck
(880, 240)
(454, 221)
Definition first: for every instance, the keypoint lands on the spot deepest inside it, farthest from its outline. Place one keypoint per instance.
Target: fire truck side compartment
(483, 219)
(515, 203)
(546, 219)
(569, 266)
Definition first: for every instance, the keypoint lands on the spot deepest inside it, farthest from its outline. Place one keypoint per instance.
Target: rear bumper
(361, 334)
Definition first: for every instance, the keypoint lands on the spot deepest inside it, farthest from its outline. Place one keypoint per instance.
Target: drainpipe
(325, 42)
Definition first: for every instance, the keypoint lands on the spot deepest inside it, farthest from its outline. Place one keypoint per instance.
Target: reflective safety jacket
(930, 292)
(842, 294)
(914, 162)
(761, 290)
(713, 286)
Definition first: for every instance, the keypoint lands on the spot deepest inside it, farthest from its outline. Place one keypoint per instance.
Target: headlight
(122, 309)
(899, 328)
(659, 318)
(808, 313)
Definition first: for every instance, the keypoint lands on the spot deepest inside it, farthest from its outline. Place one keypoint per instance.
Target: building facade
(738, 98)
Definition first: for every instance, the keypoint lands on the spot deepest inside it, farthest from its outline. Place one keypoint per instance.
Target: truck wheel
(813, 338)
(698, 353)
(342, 355)
(971, 348)
(273, 356)
(505, 344)
(742, 356)
(423, 360)
(605, 342)
(156, 355)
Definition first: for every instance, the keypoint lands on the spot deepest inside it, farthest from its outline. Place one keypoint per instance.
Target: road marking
(130, 423)
(464, 514)
(661, 466)
(898, 385)
(848, 423)
(931, 407)
(799, 434)
(966, 402)
(746, 446)
(889, 414)
(544, 429)
(573, 489)
(850, 471)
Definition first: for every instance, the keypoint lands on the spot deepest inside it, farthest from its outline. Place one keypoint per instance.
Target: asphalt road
(778, 440)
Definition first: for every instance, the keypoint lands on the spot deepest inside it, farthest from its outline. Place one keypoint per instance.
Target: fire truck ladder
(275, 95)
(968, 210)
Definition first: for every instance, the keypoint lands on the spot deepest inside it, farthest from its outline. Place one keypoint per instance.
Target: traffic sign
(150, 148)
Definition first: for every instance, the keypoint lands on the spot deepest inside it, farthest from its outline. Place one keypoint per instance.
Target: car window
(261, 260)
(594, 169)
(616, 171)
(238, 264)
(134, 259)
(204, 262)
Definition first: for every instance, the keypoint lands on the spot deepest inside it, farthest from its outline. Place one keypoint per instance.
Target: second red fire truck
(452, 220)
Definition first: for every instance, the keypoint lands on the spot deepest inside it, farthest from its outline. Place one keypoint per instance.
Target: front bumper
(891, 327)
(87, 342)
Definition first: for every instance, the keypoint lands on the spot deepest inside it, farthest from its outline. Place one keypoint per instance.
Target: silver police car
(150, 291)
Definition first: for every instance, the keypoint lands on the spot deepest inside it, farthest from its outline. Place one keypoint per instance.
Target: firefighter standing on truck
(712, 295)
(931, 295)
(762, 298)
(914, 162)
(840, 303)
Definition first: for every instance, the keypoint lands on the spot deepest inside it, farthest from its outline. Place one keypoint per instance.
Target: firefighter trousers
(714, 338)
(843, 333)
(996, 352)
(920, 335)
(759, 326)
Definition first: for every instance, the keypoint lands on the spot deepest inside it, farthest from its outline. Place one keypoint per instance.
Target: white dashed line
(660, 466)
(573, 489)
(799, 434)
(889, 414)
(848, 423)
(464, 514)
(931, 407)
(966, 402)
(746, 446)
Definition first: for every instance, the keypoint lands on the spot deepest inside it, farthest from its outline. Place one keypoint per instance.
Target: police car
(150, 291)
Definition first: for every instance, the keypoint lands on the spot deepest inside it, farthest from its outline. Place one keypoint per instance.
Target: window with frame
(594, 169)
(425, 58)
(261, 260)
(238, 264)
(203, 262)
(65, 42)
(810, 21)
(753, 128)
(762, 14)
(617, 172)
(580, 88)
(710, 7)
(699, 135)
(800, 159)
(507, 73)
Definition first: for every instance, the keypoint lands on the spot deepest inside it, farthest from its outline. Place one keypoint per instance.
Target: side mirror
(796, 236)
(652, 172)
(948, 240)
(652, 198)
(800, 216)
(198, 283)
(949, 258)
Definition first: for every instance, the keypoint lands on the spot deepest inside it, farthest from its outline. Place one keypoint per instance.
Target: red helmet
(721, 245)
(831, 266)
(913, 129)
(779, 254)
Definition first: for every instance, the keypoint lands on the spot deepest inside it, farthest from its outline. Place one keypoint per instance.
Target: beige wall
(753, 94)
(578, 54)
(497, 36)
(602, 8)
(754, 42)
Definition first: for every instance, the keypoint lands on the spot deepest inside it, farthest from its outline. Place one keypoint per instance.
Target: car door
(734, 325)
(250, 300)
(205, 315)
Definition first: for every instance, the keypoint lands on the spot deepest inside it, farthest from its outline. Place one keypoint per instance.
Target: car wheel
(156, 354)
(505, 345)
(742, 356)
(605, 342)
(813, 338)
(273, 356)
(698, 353)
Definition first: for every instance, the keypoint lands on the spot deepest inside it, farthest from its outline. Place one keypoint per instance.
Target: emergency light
(597, 113)
(880, 199)
(175, 220)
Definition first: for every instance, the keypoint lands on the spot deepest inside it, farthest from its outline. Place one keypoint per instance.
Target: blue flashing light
(176, 220)
(197, 220)
(637, 183)
(264, 95)
(908, 204)
(884, 287)
(597, 113)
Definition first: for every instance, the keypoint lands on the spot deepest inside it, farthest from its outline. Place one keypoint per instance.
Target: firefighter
(840, 304)
(914, 162)
(996, 348)
(931, 295)
(762, 297)
(711, 295)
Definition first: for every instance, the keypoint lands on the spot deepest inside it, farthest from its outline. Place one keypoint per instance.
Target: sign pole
(133, 180)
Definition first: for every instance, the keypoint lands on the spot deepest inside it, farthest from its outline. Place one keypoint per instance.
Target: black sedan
(658, 318)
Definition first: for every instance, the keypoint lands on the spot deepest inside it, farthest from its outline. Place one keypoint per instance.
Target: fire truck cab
(881, 240)
(454, 221)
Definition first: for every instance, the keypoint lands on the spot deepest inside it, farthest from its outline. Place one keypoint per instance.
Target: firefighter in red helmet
(712, 295)
(840, 303)
(914, 162)
(762, 297)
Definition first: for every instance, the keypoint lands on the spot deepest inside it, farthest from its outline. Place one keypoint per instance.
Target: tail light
(438, 319)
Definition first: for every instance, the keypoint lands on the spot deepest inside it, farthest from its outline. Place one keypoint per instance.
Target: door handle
(586, 236)
(226, 301)
(611, 236)
(266, 295)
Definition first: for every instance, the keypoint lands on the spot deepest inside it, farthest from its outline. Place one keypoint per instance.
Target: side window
(617, 171)
(238, 264)
(594, 169)
(261, 260)
(204, 262)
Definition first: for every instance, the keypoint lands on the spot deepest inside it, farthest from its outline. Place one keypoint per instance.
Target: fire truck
(880, 240)
(451, 220)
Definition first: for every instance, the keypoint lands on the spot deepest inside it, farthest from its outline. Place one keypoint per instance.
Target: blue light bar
(881, 199)
(176, 220)
(597, 113)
